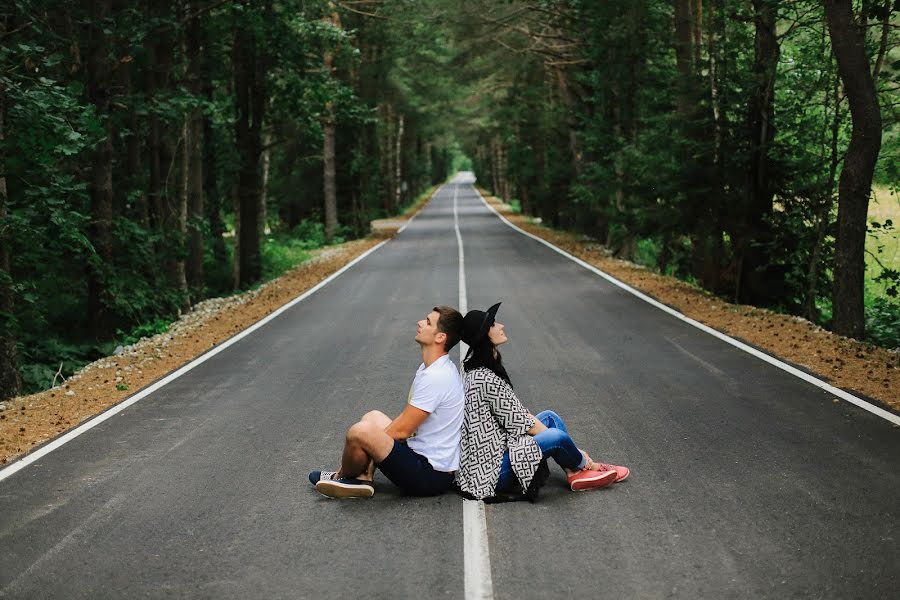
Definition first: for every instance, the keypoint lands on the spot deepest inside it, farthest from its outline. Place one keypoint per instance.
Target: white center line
(463, 300)
(476, 557)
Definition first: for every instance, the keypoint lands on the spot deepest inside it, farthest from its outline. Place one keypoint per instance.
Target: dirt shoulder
(29, 421)
(857, 367)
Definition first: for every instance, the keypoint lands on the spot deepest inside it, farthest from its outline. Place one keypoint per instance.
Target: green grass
(882, 247)
(883, 252)
(282, 252)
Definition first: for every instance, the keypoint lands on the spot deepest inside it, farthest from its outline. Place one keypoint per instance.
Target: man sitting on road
(419, 450)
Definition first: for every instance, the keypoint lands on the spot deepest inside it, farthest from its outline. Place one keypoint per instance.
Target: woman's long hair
(485, 354)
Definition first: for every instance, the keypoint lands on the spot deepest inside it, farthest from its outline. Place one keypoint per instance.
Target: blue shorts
(411, 472)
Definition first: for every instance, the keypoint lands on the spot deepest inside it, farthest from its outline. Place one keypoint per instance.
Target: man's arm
(407, 423)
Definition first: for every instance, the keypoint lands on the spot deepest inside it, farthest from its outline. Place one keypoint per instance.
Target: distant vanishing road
(746, 482)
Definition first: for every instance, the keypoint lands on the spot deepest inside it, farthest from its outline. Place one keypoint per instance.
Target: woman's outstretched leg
(551, 419)
(556, 444)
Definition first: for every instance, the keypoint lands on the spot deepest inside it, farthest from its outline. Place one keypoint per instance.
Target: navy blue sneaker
(345, 488)
(317, 476)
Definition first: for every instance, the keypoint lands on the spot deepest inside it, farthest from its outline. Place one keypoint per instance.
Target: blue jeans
(554, 442)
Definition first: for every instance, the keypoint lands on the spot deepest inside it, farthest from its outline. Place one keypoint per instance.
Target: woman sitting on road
(504, 448)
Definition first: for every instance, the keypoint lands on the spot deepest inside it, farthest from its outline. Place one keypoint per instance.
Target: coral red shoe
(591, 480)
(622, 473)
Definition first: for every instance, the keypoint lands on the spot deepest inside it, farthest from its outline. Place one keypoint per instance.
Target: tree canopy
(154, 153)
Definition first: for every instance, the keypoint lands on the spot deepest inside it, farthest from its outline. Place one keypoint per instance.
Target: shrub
(883, 323)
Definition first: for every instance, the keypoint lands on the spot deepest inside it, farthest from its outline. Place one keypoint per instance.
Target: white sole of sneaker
(338, 489)
(601, 480)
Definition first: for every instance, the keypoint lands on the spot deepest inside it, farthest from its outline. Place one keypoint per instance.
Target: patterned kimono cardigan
(495, 421)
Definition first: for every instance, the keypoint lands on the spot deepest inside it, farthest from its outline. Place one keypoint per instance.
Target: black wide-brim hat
(477, 323)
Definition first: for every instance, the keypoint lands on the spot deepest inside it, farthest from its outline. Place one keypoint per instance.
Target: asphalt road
(746, 483)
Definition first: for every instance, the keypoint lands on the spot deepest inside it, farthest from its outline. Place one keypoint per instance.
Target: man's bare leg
(366, 444)
(381, 420)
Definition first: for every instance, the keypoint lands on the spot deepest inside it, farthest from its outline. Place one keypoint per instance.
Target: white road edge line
(895, 419)
(476, 555)
(111, 412)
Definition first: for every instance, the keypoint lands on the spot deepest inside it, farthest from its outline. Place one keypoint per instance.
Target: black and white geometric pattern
(494, 421)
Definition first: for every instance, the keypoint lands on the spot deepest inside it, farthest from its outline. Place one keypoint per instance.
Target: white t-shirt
(438, 389)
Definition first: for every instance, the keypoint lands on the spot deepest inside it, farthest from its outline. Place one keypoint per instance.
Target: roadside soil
(857, 367)
(29, 421)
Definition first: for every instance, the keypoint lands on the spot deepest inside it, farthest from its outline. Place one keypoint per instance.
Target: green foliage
(884, 251)
(43, 357)
(145, 330)
(282, 252)
(883, 322)
(279, 256)
(647, 252)
(58, 115)
(588, 125)
(665, 156)
(309, 234)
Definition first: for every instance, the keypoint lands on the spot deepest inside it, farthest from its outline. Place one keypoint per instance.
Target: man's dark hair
(451, 323)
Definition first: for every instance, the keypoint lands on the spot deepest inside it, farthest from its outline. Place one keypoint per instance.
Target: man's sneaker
(317, 476)
(345, 488)
(587, 480)
(621, 472)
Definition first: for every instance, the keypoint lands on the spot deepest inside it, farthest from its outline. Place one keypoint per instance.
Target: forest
(154, 154)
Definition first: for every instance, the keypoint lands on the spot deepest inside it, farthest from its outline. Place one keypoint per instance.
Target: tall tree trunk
(571, 121)
(495, 165)
(697, 14)
(161, 146)
(702, 262)
(194, 147)
(398, 155)
(10, 382)
(288, 211)
(155, 183)
(235, 196)
(177, 229)
(250, 94)
(213, 200)
(507, 188)
(823, 212)
(264, 186)
(714, 85)
(385, 155)
(848, 42)
(100, 231)
(760, 133)
(761, 128)
(133, 144)
(195, 213)
(883, 43)
(429, 165)
(683, 55)
(178, 272)
(329, 173)
(329, 127)
(617, 107)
